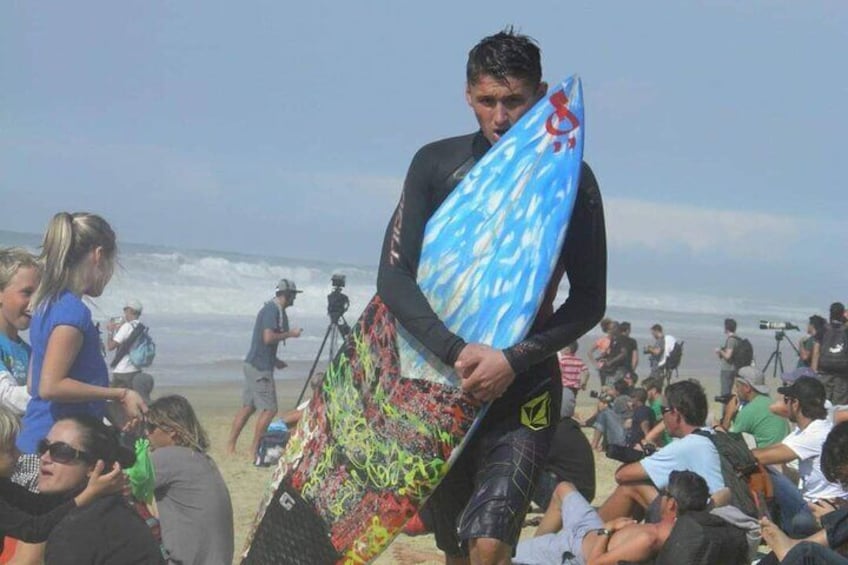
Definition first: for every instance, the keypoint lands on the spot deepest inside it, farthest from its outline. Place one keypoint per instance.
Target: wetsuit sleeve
(585, 263)
(396, 278)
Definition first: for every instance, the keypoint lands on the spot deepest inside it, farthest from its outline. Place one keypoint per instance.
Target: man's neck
(8, 330)
(803, 421)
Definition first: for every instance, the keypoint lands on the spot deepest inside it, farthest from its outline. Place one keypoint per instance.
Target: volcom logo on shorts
(536, 413)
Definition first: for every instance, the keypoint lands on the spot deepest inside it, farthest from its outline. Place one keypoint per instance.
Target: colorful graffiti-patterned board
(389, 418)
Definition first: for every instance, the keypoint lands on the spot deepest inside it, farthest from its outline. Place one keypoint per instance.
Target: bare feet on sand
(778, 541)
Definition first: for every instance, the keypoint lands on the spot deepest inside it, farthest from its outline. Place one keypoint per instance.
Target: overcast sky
(716, 129)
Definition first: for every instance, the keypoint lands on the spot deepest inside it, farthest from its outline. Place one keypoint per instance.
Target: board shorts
(487, 492)
(260, 392)
(566, 545)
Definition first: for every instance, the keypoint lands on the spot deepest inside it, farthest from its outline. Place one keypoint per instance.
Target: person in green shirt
(754, 417)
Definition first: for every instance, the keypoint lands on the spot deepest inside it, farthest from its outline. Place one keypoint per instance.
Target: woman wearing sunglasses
(195, 511)
(108, 530)
(28, 516)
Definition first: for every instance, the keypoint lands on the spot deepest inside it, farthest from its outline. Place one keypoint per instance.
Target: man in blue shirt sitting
(683, 412)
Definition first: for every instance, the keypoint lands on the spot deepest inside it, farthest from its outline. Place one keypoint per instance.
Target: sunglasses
(666, 409)
(788, 399)
(61, 452)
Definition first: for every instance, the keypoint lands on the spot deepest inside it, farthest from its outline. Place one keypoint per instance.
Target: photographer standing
(725, 355)
(271, 327)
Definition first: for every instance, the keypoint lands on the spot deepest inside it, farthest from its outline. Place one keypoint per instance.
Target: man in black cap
(804, 401)
(271, 327)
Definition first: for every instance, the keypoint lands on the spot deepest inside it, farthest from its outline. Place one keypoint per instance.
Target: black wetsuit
(487, 492)
(435, 171)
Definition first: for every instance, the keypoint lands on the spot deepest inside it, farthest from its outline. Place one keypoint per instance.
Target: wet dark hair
(101, 441)
(689, 400)
(621, 387)
(505, 55)
(657, 328)
(689, 490)
(624, 327)
(834, 456)
(730, 324)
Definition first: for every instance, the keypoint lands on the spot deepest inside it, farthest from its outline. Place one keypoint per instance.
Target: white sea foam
(201, 305)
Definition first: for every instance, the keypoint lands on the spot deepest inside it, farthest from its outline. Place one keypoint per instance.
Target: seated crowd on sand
(771, 469)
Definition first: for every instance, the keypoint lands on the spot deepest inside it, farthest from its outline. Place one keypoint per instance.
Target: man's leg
(797, 552)
(248, 407)
(796, 519)
(266, 401)
(510, 458)
(565, 529)
(727, 378)
(262, 423)
(239, 422)
(628, 501)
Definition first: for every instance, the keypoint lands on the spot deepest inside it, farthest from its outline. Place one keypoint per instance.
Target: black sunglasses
(61, 452)
(666, 409)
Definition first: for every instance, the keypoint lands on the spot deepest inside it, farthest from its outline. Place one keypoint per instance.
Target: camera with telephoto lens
(626, 454)
(724, 398)
(646, 350)
(766, 325)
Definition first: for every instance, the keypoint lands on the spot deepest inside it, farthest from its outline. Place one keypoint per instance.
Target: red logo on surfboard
(564, 117)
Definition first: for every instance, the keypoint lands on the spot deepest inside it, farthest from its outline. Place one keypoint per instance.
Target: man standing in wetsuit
(480, 505)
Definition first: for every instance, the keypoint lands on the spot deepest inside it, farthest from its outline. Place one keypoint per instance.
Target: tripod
(337, 305)
(776, 356)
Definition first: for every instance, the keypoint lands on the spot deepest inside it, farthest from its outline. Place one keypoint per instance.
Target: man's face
(497, 104)
(744, 391)
(656, 333)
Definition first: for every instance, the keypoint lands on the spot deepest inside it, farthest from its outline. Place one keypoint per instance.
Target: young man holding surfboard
(481, 503)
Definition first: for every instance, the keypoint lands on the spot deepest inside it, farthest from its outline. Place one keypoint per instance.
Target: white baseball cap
(134, 305)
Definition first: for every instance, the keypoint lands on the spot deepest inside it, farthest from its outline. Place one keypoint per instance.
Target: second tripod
(337, 305)
(776, 357)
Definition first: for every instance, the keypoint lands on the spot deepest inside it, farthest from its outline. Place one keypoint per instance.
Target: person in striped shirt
(574, 372)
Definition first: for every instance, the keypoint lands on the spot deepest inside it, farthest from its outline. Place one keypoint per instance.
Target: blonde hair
(11, 260)
(10, 425)
(176, 414)
(69, 238)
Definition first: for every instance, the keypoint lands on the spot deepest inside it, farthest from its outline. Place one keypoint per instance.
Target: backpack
(700, 538)
(743, 353)
(672, 362)
(143, 349)
(834, 349)
(738, 469)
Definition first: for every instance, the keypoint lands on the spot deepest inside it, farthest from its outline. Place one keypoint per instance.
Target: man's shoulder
(448, 145)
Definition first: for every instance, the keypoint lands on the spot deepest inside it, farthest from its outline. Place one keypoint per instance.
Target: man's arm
(585, 263)
(774, 454)
(396, 277)
(638, 547)
(631, 473)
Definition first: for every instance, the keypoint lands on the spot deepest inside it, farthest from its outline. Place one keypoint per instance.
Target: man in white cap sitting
(754, 416)
(124, 373)
(271, 327)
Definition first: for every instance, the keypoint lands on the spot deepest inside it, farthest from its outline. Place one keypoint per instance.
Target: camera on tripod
(783, 326)
(338, 303)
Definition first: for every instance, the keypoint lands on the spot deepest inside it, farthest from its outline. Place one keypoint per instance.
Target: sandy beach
(217, 403)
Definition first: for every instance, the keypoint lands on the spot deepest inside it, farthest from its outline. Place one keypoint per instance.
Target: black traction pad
(291, 533)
